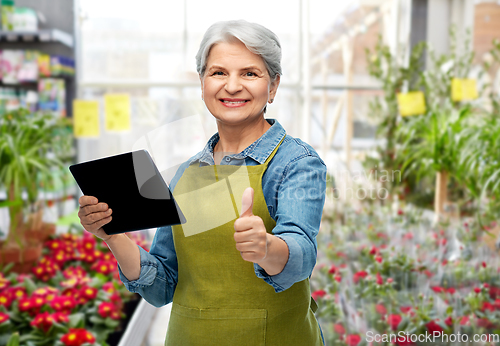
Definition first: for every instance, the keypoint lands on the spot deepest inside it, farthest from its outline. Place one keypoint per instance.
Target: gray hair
(258, 39)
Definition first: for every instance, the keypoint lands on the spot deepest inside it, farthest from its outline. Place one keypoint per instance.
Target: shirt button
(228, 159)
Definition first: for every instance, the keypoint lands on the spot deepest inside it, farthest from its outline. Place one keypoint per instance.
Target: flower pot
(40, 235)
(23, 258)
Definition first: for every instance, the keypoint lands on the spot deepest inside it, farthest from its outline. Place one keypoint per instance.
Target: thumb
(247, 202)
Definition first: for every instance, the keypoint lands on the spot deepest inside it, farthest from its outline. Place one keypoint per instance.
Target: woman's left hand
(251, 236)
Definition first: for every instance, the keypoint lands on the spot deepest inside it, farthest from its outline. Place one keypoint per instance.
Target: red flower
(3, 317)
(4, 283)
(5, 299)
(477, 290)
(400, 212)
(487, 306)
(394, 321)
(378, 258)
(497, 304)
(116, 300)
(88, 292)
(332, 270)
(379, 279)
(484, 323)
(60, 317)
(43, 321)
(494, 292)
(352, 340)
(380, 309)
(318, 293)
(373, 250)
(464, 320)
(109, 287)
(339, 329)
(108, 310)
(448, 321)
(77, 337)
(338, 278)
(405, 309)
(437, 289)
(483, 264)
(432, 327)
(359, 275)
(451, 290)
(63, 304)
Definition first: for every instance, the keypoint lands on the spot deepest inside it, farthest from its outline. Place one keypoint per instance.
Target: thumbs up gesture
(251, 236)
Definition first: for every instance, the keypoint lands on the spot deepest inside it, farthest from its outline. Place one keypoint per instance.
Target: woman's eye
(250, 74)
(218, 73)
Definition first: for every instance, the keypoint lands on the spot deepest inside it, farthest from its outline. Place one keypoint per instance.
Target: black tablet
(133, 188)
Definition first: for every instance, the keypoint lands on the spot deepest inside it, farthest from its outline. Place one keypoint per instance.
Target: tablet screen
(133, 187)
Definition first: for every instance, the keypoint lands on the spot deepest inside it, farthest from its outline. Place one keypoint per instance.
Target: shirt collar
(258, 150)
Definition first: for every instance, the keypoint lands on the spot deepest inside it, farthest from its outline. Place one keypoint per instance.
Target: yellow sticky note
(85, 118)
(463, 89)
(117, 112)
(411, 103)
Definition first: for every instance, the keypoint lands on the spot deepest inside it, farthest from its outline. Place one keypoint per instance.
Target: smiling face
(236, 85)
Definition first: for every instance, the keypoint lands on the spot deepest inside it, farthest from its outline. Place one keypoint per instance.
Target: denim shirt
(294, 187)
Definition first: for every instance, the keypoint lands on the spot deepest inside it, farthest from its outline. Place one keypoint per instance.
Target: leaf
(14, 340)
(110, 323)
(76, 320)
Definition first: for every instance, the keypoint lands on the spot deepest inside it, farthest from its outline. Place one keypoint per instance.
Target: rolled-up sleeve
(300, 201)
(158, 278)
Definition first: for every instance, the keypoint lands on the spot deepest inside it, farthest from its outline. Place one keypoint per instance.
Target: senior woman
(237, 272)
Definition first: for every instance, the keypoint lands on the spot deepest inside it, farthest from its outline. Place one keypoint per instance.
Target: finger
(244, 223)
(247, 202)
(87, 200)
(102, 222)
(96, 217)
(89, 209)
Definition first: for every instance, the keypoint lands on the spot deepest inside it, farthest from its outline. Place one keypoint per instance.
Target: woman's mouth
(233, 102)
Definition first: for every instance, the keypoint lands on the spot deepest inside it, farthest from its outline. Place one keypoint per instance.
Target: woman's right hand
(93, 215)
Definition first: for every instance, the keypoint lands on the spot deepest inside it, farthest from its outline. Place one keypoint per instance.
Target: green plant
(26, 160)
(395, 77)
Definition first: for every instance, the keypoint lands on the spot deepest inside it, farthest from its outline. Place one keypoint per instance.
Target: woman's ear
(274, 87)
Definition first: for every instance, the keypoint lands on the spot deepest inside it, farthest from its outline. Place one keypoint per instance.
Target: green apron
(218, 299)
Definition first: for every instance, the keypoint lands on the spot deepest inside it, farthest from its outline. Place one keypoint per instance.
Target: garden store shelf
(47, 35)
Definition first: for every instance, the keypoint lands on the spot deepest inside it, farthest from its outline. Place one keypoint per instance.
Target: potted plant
(26, 161)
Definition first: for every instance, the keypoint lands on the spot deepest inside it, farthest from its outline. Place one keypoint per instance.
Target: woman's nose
(233, 84)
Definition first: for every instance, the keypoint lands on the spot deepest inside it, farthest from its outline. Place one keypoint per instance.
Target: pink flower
(353, 340)
(318, 294)
(339, 329)
(394, 321)
(380, 309)
(359, 275)
(464, 320)
(437, 289)
(432, 327)
(487, 306)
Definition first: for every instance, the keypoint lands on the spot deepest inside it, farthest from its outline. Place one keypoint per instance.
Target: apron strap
(270, 157)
